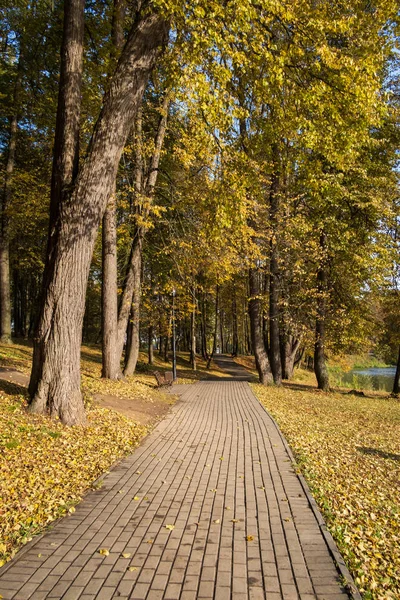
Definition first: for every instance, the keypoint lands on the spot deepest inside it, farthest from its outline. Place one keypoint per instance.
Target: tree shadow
(13, 389)
(377, 452)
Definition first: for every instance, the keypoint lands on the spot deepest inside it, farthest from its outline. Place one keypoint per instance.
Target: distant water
(375, 378)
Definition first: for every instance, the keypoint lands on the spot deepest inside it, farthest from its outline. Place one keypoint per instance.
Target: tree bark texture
(111, 359)
(5, 296)
(320, 368)
(111, 367)
(257, 340)
(55, 379)
(289, 347)
(134, 288)
(66, 140)
(274, 346)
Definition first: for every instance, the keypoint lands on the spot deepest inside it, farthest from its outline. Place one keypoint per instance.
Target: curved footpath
(209, 506)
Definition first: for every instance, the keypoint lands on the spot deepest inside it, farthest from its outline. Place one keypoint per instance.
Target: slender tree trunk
(235, 338)
(55, 379)
(111, 359)
(320, 368)
(214, 346)
(204, 350)
(274, 346)
(132, 353)
(144, 186)
(151, 347)
(5, 297)
(111, 368)
(166, 348)
(396, 383)
(262, 362)
(193, 333)
(221, 330)
(160, 342)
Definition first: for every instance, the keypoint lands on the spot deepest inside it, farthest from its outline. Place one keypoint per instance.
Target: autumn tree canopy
(243, 154)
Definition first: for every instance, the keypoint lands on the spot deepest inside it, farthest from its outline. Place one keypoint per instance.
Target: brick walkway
(216, 469)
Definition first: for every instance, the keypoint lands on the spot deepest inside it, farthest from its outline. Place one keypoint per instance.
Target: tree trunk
(262, 363)
(151, 348)
(133, 287)
(221, 331)
(396, 383)
(274, 346)
(111, 359)
(111, 367)
(320, 368)
(193, 333)
(204, 350)
(5, 297)
(144, 186)
(214, 346)
(235, 338)
(55, 379)
(166, 348)
(288, 348)
(160, 342)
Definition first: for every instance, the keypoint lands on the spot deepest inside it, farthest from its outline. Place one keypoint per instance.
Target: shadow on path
(232, 369)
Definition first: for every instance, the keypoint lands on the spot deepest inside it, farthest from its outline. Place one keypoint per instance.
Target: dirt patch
(145, 412)
(14, 376)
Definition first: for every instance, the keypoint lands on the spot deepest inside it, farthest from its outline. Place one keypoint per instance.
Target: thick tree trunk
(289, 347)
(111, 367)
(66, 140)
(55, 379)
(262, 362)
(320, 368)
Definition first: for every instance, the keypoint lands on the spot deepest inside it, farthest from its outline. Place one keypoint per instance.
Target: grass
(348, 448)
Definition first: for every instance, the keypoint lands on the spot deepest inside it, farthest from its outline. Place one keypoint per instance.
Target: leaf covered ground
(348, 448)
(45, 468)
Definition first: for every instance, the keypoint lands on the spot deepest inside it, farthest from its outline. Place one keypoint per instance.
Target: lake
(375, 378)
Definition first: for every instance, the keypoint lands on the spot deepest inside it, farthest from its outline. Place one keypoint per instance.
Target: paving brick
(178, 468)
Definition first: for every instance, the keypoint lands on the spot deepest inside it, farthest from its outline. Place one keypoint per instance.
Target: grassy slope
(349, 451)
(348, 448)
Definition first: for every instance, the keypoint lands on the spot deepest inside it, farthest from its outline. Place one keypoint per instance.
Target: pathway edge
(330, 542)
